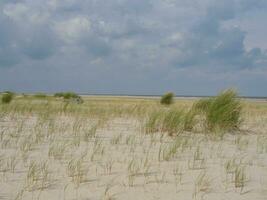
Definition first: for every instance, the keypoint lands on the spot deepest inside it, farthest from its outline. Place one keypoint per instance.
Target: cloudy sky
(195, 47)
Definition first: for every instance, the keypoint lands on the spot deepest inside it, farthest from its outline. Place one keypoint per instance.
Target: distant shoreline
(158, 96)
(261, 98)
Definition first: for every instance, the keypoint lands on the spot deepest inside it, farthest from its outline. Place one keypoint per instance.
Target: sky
(195, 47)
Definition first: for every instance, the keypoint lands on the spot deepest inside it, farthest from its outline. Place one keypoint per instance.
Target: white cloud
(16, 11)
(132, 39)
(176, 37)
(25, 13)
(73, 29)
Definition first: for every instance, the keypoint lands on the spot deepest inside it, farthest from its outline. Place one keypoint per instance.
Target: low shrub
(167, 98)
(7, 97)
(59, 94)
(70, 96)
(66, 95)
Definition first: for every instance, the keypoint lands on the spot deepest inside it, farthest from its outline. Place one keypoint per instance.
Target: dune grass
(48, 148)
(222, 113)
(218, 114)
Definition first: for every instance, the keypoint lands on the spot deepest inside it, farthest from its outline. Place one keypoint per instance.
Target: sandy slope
(121, 162)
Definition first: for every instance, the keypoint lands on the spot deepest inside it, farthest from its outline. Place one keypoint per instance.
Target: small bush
(70, 96)
(59, 94)
(167, 98)
(66, 95)
(222, 112)
(7, 97)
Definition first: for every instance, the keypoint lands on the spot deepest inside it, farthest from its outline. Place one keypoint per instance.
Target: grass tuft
(222, 113)
(173, 122)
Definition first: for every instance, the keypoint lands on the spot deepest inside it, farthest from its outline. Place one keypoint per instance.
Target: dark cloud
(97, 47)
(221, 10)
(208, 43)
(139, 40)
(9, 54)
(39, 44)
(247, 5)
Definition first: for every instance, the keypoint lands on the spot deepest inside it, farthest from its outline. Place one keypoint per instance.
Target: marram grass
(222, 113)
(218, 114)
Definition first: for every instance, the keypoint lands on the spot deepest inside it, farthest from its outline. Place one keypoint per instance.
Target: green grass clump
(7, 97)
(222, 113)
(167, 98)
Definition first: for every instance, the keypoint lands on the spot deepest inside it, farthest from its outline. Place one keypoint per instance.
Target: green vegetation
(173, 121)
(66, 95)
(189, 120)
(170, 121)
(69, 96)
(152, 122)
(222, 113)
(7, 97)
(101, 144)
(167, 98)
(218, 114)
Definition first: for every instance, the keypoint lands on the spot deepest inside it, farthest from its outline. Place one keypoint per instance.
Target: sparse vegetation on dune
(132, 148)
(170, 121)
(218, 114)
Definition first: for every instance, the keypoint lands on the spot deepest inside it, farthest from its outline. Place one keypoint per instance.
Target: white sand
(127, 164)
